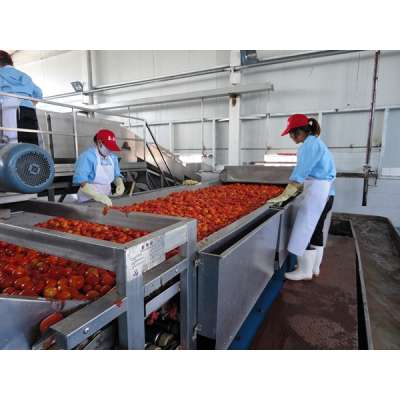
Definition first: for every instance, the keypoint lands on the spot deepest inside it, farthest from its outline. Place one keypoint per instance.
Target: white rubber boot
(305, 265)
(319, 253)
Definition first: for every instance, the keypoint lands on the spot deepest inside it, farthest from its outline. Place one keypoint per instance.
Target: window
(278, 159)
(190, 158)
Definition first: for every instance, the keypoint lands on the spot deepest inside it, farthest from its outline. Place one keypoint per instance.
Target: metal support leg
(131, 323)
(188, 298)
(51, 195)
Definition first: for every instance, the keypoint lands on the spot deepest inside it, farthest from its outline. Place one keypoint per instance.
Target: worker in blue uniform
(96, 168)
(313, 176)
(17, 113)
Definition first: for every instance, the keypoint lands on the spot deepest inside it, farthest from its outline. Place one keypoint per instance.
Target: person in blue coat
(96, 168)
(313, 175)
(14, 81)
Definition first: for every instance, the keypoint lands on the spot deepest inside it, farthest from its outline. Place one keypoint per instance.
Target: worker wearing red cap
(313, 175)
(96, 168)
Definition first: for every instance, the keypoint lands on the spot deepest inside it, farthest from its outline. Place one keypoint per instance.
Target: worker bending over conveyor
(97, 167)
(313, 175)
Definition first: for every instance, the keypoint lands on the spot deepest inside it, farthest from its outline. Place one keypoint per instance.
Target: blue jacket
(314, 160)
(15, 81)
(85, 166)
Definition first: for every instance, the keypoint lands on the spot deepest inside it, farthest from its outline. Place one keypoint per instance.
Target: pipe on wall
(295, 57)
(367, 167)
(214, 70)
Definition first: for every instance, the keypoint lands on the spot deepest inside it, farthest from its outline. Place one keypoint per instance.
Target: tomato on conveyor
(27, 272)
(94, 230)
(214, 207)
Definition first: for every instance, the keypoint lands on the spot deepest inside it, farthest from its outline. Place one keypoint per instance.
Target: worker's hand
(291, 190)
(190, 182)
(91, 192)
(102, 198)
(119, 187)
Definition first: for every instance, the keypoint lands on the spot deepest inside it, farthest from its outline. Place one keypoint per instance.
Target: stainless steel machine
(219, 278)
(143, 279)
(152, 165)
(235, 263)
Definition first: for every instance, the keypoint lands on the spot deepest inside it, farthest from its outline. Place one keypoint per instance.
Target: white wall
(341, 82)
(383, 199)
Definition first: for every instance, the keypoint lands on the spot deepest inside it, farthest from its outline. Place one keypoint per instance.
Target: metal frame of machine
(169, 167)
(235, 263)
(140, 266)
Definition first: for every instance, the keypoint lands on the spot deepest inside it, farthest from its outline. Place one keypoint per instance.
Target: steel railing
(78, 108)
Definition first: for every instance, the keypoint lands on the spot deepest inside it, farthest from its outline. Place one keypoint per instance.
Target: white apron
(9, 106)
(103, 177)
(313, 201)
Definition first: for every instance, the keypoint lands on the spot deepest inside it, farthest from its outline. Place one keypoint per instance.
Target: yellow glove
(119, 187)
(91, 192)
(190, 182)
(290, 191)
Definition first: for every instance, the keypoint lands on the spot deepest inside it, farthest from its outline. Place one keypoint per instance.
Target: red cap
(295, 121)
(108, 139)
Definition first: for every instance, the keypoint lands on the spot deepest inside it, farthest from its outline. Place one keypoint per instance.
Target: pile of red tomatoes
(214, 207)
(30, 273)
(93, 230)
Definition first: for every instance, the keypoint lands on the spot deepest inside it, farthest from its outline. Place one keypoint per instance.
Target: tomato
(97, 287)
(50, 292)
(9, 291)
(6, 282)
(63, 294)
(87, 288)
(39, 286)
(76, 281)
(92, 279)
(23, 283)
(107, 279)
(49, 321)
(19, 271)
(61, 283)
(54, 273)
(92, 294)
(105, 289)
(93, 271)
(67, 272)
(28, 292)
(75, 293)
(51, 282)
(41, 267)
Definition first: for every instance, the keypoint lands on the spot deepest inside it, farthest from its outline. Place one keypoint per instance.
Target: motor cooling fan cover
(25, 168)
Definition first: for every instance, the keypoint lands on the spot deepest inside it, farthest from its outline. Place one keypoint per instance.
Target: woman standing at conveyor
(14, 81)
(97, 167)
(314, 174)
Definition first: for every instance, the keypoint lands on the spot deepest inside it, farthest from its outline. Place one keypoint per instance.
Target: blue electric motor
(25, 168)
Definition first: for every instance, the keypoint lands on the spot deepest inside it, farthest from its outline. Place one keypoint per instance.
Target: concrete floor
(317, 314)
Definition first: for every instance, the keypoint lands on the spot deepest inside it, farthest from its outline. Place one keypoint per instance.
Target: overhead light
(248, 57)
(77, 85)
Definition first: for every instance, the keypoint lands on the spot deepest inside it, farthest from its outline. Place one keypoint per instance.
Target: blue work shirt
(15, 81)
(314, 160)
(85, 166)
